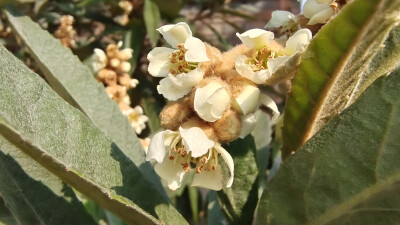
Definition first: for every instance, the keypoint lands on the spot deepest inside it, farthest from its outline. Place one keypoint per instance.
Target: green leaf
(35, 196)
(5, 215)
(333, 65)
(74, 82)
(386, 59)
(152, 20)
(349, 172)
(133, 39)
(239, 202)
(214, 213)
(64, 141)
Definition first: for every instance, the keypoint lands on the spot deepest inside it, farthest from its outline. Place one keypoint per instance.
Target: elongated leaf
(65, 142)
(349, 172)
(332, 66)
(152, 20)
(239, 201)
(74, 82)
(34, 195)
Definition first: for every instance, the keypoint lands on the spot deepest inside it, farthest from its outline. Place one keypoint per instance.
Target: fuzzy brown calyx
(215, 57)
(229, 58)
(175, 113)
(228, 127)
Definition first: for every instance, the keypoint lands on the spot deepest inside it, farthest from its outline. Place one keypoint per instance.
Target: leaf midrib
(309, 131)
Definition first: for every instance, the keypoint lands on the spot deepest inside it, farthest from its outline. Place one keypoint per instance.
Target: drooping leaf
(152, 20)
(64, 141)
(35, 196)
(332, 65)
(74, 82)
(349, 172)
(239, 202)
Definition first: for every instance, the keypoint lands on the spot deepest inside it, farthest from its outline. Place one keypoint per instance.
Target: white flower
(318, 11)
(266, 60)
(211, 101)
(136, 118)
(249, 121)
(284, 20)
(181, 65)
(100, 60)
(175, 152)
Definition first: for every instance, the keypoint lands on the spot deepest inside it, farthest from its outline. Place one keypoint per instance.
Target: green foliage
(348, 173)
(65, 142)
(25, 183)
(239, 201)
(152, 20)
(332, 67)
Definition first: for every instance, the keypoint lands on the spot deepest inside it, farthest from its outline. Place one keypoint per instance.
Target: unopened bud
(114, 62)
(175, 113)
(108, 77)
(228, 127)
(124, 67)
(125, 54)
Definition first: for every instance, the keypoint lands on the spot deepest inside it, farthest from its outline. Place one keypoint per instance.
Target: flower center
(178, 153)
(133, 116)
(259, 61)
(178, 63)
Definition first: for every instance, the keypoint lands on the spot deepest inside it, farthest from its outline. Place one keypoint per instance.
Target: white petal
(274, 63)
(280, 18)
(196, 50)
(249, 122)
(196, 141)
(175, 34)
(157, 148)
(212, 180)
(268, 102)
(247, 101)
(211, 101)
(171, 172)
(256, 38)
(321, 17)
(229, 162)
(297, 41)
(159, 61)
(175, 87)
(312, 7)
(245, 70)
(100, 59)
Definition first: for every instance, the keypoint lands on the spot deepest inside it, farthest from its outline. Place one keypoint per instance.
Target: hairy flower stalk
(211, 101)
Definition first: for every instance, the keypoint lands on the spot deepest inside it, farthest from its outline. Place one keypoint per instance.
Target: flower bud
(125, 54)
(114, 62)
(124, 67)
(228, 127)
(108, 77)
(175, 113)
(211, 99)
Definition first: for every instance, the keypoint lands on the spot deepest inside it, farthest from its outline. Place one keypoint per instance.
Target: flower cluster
(112, 69)
(66, 32)
(213, 99)
(313, 12)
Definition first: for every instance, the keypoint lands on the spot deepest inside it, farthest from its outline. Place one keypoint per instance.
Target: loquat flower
(179, 66)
